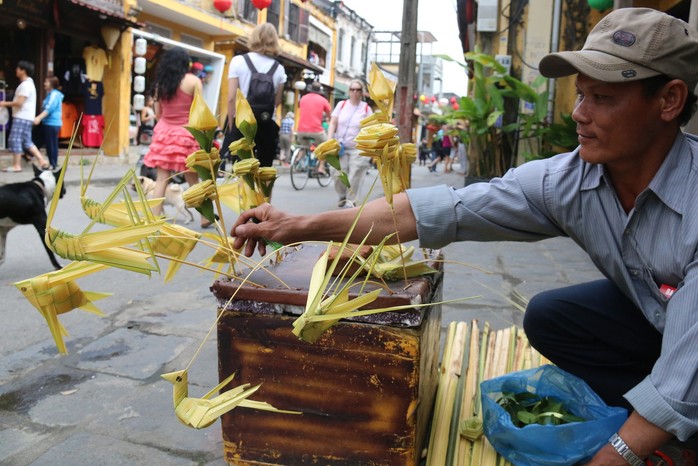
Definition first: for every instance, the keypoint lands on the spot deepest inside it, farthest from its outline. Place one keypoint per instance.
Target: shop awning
(287, 59)
(111, 11)
(341, 90)
(297, 62)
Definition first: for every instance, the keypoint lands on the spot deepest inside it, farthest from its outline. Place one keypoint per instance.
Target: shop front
(80, 43)
(207, 65)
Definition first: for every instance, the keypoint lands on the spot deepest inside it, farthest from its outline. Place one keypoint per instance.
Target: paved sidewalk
(105, 402)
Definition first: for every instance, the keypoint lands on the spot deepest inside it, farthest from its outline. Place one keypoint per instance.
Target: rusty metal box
(365, 388)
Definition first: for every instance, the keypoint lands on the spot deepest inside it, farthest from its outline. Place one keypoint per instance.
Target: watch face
(4, 116)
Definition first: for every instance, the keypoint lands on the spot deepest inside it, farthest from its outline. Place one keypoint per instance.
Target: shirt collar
(593, 173)
(667, 183)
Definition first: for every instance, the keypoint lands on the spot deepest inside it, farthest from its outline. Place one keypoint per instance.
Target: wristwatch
(625, 452)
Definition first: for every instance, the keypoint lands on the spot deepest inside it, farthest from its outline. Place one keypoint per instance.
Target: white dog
(173, 196)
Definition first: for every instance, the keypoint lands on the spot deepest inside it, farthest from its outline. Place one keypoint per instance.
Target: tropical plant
(488, 132)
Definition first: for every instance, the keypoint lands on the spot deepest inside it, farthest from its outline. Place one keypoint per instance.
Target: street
(105, 403)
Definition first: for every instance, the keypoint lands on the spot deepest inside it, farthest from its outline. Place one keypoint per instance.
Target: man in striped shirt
(627, 195)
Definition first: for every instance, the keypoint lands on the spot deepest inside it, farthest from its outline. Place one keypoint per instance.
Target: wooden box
(365, 388)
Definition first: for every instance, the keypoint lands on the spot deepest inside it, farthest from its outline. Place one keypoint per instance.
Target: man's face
(616, 122)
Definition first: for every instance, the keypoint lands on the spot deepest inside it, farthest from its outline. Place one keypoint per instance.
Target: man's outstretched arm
(273, 225)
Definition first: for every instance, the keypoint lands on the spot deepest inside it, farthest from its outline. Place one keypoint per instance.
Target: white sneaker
(345, 204)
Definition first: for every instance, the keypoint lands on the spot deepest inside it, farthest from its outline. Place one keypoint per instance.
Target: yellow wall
(117, 78)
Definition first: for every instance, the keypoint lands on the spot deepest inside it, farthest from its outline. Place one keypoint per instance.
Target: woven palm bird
(202, 412)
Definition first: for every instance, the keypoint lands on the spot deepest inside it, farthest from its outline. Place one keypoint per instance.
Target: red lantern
(261, 4)
(222, 5)
(453, 100)
(455, 106)
(433, 99)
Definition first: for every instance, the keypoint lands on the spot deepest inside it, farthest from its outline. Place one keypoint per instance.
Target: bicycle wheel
(299, 169)
(323, 179)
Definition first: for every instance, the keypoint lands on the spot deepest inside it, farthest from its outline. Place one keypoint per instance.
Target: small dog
(25, 203)
(173, 196)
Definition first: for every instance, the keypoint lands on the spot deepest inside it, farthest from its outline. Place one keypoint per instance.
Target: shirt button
(626, 232)
(634, 273)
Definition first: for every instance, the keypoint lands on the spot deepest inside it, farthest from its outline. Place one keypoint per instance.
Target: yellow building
(54, 38)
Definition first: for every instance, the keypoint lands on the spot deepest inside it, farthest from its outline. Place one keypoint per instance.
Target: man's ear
(673, 97)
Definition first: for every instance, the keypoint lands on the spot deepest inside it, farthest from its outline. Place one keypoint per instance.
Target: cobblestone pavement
(105, 403)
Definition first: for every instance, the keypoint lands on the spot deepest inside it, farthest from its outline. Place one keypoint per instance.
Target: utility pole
(408, 65)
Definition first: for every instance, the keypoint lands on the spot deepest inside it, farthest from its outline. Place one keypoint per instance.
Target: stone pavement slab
(105, 403)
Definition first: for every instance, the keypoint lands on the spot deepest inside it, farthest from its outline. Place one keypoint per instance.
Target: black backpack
(261, 94)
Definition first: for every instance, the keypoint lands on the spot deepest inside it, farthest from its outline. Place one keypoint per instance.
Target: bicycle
(304, 166)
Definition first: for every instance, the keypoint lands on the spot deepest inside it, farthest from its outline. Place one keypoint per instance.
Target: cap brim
(597, 65)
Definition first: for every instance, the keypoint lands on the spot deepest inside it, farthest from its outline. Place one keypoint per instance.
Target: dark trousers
(51, 143)
(596, 333)
(266, 141)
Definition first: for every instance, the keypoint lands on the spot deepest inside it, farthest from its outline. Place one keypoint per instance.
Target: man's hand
(640, 435)
(261, 222)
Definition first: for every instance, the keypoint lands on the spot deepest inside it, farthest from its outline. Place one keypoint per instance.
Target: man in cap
(313, 109)
(627, 195)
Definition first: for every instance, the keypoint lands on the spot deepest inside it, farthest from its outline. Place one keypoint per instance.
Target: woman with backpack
(260, 78)
(345, 124)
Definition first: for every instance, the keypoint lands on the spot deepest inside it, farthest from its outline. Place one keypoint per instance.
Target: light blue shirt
(654, 244)
(53, 105)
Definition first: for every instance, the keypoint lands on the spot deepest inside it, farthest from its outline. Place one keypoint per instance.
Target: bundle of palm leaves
(471, 355)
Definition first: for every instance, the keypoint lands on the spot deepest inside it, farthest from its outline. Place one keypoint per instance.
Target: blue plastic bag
(540, 445)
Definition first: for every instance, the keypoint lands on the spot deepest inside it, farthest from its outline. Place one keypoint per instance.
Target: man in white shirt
(23, 112)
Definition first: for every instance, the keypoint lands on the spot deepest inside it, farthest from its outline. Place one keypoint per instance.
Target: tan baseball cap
(631, 44)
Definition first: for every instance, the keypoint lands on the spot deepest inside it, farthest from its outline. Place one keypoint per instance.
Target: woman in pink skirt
(171, 143)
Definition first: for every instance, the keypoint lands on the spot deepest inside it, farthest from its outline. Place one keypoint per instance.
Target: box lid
(265, 294)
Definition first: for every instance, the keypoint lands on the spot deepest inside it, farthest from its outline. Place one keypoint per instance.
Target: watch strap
(624, 451)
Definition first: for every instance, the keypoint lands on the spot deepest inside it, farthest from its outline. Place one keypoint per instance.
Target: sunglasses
(355, 89)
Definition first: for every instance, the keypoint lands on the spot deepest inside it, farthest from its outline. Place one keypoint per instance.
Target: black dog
(25, 204)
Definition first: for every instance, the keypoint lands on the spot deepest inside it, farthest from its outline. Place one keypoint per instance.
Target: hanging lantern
(139, 65)
(453, 100)
(140, 47)
(139, 84)
(443, 101)
(261, 4)
(455, 106)
(138, 102)
(110, 34)
(433, 99)
(222, 5)
(422, 98)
